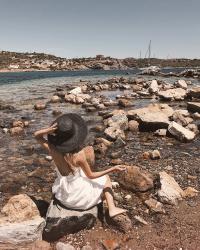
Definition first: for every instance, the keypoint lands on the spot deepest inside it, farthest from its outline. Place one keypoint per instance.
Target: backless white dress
(76, 191)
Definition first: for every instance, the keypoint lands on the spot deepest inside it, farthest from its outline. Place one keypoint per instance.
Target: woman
(76, 185)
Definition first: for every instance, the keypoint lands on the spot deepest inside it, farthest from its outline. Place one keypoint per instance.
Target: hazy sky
(118, 28)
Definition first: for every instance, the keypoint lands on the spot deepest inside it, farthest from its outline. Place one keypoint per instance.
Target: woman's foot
(115, 211)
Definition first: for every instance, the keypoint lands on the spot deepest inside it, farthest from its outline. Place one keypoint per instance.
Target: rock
(161, 132)
(104, 141)
(140, 219)
(155, 206)
(16, 130)
(193, 128)
(118, 121)
(133, 126)
(113, 133)
(146, 155)
(56, 112)
(193, 107)
(169, 192)
(63, 246)
(190, 192)
(20, 221)
(153, 88)
(124, 103)
(119, 142)
(18, 124)
(87, 247)
(173, 94)
(155, 154)
(110, 244)
(41, 245)
(194, 92)
(55, 99)
(180, 132)
(101, 148)
(181, 84)
(76, 91)
(152, 117)
(115, 184)
(48, 158)
(61, 221)
(5, 130)
(196, 115)
(5, 106)
(128, 197)
(135, 179)
(40, 106)
(180, 119)
(116, 162)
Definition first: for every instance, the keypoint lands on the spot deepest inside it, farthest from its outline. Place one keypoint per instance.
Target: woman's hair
(69, 157)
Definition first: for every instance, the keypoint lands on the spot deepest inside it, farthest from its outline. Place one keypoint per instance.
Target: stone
(20, 221)
(135, 179)
(194, 92)
(111, 244)
(40, 106)
(146, 155)
(18, 124)
(128, 197)
(193, 128)
(5, 130)
(56, 112)
(161, 132)
(124, 103)
(113, 133)
(140, 219)
(115, 184)
(190, 192)
(170, 192)
(61, 221)
(181, 84)
(153, 88)
(76, 91)
(180, 119)
(104, 141)
(87, 247)
(193, 107)
(63, 246)
(48, 158)
(101, 148)
(152, 117)
(155, 154)
(55, 99)
(155, 206)
(173, 94)
(133, 126)
(180, 133)
(41, 245)
(20, 208)
(118, 121)
(116, 161)
(16, 130)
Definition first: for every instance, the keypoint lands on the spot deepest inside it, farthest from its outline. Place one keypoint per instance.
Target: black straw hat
(71, 133)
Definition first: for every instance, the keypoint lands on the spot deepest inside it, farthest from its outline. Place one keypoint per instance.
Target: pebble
(128, 197)
(155, 154)
(5, 130)
(63, 246)
(140, 219)
(49, 158)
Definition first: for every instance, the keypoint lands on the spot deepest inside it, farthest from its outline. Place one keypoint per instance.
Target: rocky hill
(13, 61)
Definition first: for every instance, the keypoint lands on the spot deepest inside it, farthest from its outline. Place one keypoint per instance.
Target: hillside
(13, 61)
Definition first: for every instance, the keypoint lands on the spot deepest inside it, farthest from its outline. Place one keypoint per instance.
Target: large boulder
(173, 94)
(153, 117)
(61, 221)
(193, 106)
(118, 121)
(180, 133)
(170, 192)
(135, 179)
(20, 221)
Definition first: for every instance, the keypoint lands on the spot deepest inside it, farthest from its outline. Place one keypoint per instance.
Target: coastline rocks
(61, 221)
(180, 133)
(55, 99)
(20, 221)
(77, 99)
(153, 88)
(152, 117)
(194, 92)
(155, 206)
(76, 91)
(181, 84)
(173, 94)
(181, 119)
(118, 121)
(16, 130)
(39, 106)
(135, 179)
(124, 103)
(169, 192)
(114, 132)
(193, 106)
(155, 154)
(133, 126)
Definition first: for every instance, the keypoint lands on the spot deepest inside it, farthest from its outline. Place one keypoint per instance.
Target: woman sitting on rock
(76, 185)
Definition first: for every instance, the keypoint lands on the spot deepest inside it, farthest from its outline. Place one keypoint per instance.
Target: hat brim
(77, 139)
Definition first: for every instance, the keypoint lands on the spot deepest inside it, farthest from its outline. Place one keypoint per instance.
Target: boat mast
(149, 49)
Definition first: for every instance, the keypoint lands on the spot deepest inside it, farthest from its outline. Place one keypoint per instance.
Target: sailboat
(150, 69)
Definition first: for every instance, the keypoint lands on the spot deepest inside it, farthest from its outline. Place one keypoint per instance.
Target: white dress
(76, 191)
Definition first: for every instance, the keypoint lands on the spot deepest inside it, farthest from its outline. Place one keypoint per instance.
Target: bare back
(61, 162)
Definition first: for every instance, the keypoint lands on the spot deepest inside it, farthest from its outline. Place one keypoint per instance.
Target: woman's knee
(108, 182)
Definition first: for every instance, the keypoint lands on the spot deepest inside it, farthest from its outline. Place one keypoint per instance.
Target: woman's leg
(113, 210)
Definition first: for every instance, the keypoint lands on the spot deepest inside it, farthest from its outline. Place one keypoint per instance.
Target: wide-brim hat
(70, 134)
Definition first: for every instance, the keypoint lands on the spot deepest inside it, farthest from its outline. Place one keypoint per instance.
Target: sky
(117, 28)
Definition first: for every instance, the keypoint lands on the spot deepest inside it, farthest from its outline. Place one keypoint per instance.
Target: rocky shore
(150, 125)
